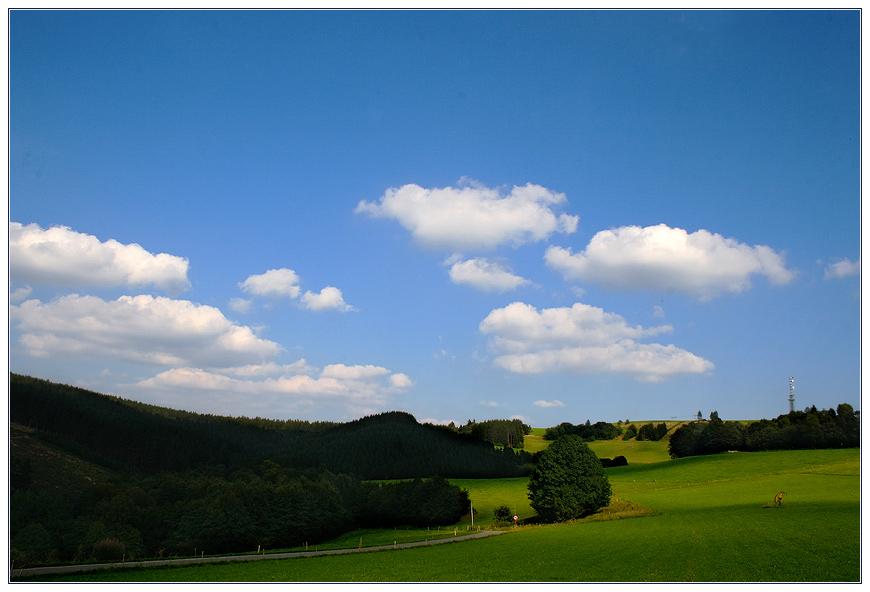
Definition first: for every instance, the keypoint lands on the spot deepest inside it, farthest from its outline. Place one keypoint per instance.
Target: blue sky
(556, 216)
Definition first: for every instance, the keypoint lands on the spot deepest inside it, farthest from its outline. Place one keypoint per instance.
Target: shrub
(502, 514)
(619, 461)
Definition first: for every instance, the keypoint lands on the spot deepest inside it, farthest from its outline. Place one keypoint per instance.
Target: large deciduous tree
(568, 481)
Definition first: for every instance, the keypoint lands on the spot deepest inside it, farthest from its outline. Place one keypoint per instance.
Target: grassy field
(634, 451)
(535, 441)
(705, 519)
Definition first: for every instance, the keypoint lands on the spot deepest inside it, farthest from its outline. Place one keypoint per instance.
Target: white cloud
(328, 298)
(701, 264)
(520, 325)
(400, 381)
(195, 378)
(284, 283)
(443, 422)
(488, 404)
(842, 269)
(20, 294)
(353, 372)
(270, 369)
(64, 257)
(582, 339)
(275, 283)
(141, 329)
(273, 391)
(240, 305)
(553, 403)
(486, 275)
(473, 216)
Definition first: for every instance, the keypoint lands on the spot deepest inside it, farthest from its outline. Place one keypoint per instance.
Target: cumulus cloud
(240, 305)
(270, 369)
(400, 381)
(582, 339)
(520, 325)
(486, 275)
(353, 372)
(142, 329)
(842, 269)
(433, 421)
(328, 298)
(271, 390)
(20, 294)
(207, 363)
(61, 256)
(284, 283)
(275, 283)
(472, 216)
(553, 403)
(488, 404)
(701, 264)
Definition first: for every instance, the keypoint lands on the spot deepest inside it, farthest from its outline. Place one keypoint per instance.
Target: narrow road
(33, 571)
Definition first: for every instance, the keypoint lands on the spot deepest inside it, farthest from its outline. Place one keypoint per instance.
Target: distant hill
(125, 435)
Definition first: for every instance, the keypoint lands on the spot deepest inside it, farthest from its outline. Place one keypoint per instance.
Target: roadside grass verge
(382, 536)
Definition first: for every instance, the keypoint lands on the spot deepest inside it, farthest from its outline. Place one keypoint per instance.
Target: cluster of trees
(600, 430)
(648, 431)
(808, 429)
(505, 433)
(126, 435)
(213, 510)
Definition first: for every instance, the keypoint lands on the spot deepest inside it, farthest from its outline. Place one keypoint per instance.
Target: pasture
(704, 519)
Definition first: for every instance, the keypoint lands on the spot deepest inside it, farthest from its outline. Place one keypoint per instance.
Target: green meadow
(697, 519)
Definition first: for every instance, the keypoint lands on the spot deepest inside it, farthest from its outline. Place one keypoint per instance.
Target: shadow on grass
(617, 510)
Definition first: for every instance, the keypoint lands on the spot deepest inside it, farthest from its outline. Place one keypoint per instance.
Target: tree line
(600, 430)
(808, 429)
(213, 510)
(647, 431)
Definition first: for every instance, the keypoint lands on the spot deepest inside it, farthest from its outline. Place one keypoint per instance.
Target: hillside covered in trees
(99, 477)
(808, 429)
(124, 434)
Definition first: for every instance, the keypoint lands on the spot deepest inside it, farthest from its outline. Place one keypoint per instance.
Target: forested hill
(124, 434)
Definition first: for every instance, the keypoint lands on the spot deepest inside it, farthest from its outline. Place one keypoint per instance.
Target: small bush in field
(502, 514)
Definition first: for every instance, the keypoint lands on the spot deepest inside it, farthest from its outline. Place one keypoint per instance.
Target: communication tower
(790, 394)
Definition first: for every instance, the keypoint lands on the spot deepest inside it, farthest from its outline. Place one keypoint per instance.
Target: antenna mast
(791, 394)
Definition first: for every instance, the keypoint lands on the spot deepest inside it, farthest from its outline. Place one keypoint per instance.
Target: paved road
(32, 571)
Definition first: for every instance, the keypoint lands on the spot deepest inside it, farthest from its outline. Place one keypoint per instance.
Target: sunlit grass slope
(632, 450)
